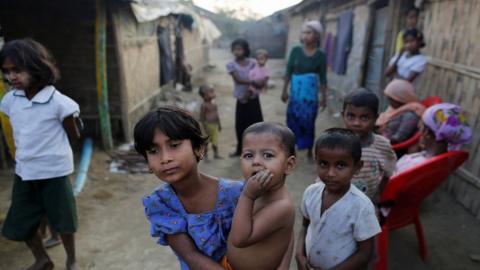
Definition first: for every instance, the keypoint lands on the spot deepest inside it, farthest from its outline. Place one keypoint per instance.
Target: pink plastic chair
(427, 102)
(406, 191)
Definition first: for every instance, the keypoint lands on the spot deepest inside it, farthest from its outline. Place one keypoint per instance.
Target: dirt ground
(114, 234)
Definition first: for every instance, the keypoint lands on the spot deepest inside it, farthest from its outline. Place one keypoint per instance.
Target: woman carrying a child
(247, 110)
(399, 122)
(444, 129)
(307, 74)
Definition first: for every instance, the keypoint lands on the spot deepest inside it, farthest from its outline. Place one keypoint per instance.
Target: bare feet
(41, 265)
(52, 242)
(71, 266)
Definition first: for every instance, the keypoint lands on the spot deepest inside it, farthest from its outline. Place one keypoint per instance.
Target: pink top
(258, 73)
(410, 160)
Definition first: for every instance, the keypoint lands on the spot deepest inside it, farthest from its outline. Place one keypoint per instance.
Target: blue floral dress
(208, 230)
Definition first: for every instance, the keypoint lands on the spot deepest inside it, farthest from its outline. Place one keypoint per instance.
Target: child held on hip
(263, 222)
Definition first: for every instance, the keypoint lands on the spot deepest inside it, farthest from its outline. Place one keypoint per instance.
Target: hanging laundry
(343, 42)
(330, 49)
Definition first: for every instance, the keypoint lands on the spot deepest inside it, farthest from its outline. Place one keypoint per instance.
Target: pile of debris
(125, 159)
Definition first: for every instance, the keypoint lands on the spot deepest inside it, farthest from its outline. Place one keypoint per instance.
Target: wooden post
(101, 70)
(120, 52)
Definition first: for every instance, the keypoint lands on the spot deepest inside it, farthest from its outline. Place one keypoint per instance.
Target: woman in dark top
(307, 74)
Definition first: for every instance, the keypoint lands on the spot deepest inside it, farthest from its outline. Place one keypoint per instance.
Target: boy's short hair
(286, 136)
(175, 123)
(204, 88)
(261, 52)
(362, 97)
(340, 138)
(31, 56)
(242, 43)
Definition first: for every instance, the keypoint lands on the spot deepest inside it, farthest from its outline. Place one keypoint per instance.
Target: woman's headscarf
(401, 91)
(315, 25)
(404, 92)
(447, 121)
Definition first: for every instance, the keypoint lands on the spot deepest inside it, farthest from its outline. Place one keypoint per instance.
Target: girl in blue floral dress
(192, 212)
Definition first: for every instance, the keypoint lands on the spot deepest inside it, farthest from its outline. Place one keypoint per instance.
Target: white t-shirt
(408, 64)
(332, 238)
(42, 147)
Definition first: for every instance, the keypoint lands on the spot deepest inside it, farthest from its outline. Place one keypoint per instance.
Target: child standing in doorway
(411, 22)
(209, 118)
(360, 112)
(409, 63)
(262, 228)
(43, 121)
(339, 221)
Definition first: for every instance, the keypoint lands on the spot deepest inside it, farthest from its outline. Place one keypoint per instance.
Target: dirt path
(113, 232)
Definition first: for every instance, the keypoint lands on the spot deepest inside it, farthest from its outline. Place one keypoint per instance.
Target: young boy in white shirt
(339, 221)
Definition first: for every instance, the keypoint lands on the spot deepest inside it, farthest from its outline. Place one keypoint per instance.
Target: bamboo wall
(138, 65)
(452, 32)
(194, 49)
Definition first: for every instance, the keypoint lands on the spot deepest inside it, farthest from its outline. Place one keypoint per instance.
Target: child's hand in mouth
(257, 183)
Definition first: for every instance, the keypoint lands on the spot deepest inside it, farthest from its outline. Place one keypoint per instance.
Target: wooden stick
(101, 70)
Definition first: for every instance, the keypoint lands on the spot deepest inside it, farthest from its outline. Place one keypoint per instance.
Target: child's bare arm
(285, 265)
(202, 113)
(219, 123)
(184, 247)
(247, 230)
(261, 83)
(359, 259)
(239, 80)
(412, 77)
(71, 128)
(301, 254)
(391, 70)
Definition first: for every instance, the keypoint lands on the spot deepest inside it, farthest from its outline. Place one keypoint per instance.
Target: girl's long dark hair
(29, 55)
(174, 122)
(242, 43)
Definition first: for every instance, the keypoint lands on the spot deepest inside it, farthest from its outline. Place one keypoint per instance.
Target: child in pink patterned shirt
(259, 74)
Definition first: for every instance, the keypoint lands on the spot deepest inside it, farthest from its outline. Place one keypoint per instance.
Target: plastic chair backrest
(405, 144)
(408, 189)
(432, 100)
